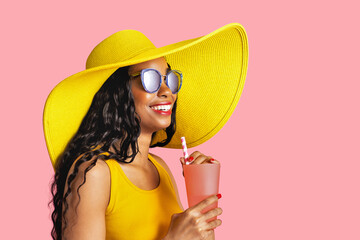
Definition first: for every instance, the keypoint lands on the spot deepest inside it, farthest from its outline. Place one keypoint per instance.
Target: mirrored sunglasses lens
(151, 80)
(173, 81)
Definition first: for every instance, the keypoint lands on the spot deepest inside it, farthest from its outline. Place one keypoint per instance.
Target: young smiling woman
(99, 125)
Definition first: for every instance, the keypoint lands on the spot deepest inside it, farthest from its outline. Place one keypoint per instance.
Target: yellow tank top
(137, 214)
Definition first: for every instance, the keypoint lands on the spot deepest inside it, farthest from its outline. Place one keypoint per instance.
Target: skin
(88, 222)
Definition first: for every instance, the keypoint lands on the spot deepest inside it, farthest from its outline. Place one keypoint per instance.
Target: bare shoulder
(99, 172)
(92, 179)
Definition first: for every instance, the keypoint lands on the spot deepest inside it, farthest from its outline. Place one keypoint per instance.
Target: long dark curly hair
(111, 119)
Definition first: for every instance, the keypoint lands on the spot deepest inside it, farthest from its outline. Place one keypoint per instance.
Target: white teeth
(162, 107)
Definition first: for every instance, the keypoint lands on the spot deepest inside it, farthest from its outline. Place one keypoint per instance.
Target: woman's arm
(86, 219)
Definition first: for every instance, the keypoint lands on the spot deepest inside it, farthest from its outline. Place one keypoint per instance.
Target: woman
(106, 184)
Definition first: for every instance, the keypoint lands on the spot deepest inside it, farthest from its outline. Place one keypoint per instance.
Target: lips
(162, 108)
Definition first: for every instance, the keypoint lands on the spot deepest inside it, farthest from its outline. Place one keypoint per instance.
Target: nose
(164, 90)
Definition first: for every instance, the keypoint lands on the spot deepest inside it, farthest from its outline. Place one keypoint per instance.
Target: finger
(203, 204)
(207, 233)
(212, 213)
(212, 160)
(214, 224)
(182, 161)
(201, 159)
(209, 159)
(193, 156)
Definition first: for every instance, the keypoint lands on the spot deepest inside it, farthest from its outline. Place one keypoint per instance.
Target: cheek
(141, 98)
(174, 96)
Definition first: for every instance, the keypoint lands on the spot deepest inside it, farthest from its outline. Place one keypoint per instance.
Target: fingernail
(219, 196)
(190, 159)
(212, 160)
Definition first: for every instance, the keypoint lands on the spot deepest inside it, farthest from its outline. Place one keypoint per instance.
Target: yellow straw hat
(214, 69)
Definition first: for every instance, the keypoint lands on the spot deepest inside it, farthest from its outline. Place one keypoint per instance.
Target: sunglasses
(151, 80)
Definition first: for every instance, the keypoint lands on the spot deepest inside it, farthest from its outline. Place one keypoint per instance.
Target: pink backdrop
(290, 152)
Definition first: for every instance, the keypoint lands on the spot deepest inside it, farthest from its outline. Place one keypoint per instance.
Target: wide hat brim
(214, 68)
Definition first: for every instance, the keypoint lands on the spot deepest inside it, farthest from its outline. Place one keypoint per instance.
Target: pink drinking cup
(202, 181)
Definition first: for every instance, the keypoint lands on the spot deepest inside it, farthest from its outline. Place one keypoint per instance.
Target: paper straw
(186, 155)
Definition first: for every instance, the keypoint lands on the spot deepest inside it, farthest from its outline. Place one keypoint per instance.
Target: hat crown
(118, 47)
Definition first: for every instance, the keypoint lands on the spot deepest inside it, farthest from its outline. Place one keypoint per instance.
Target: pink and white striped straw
(186, 155)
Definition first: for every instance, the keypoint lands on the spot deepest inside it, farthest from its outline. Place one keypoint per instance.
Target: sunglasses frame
(142, 72)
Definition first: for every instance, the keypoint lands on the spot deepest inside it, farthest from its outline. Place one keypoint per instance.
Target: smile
(162, 109)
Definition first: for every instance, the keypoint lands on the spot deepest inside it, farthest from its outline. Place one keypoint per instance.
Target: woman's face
(147, 104)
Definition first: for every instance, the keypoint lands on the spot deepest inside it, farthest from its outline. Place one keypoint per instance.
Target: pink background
(290, 152)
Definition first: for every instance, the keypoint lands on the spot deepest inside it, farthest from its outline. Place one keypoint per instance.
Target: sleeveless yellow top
(137, 214)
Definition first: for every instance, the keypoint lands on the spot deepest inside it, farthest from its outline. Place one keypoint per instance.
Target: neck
(144, 142)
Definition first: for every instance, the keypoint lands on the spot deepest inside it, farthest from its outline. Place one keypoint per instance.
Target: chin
(163, 126)
(156, 126)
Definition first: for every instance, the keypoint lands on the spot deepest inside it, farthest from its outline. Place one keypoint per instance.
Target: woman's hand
(198, 158)
(192, 224)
